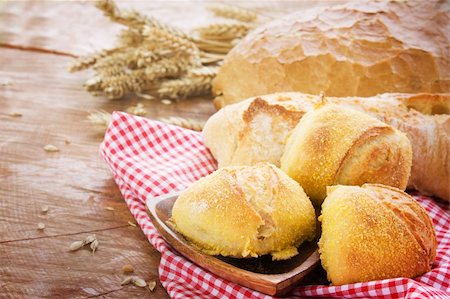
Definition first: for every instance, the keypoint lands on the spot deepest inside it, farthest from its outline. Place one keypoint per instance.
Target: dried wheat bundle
(187, 123)
(154, 57)
(233, 12)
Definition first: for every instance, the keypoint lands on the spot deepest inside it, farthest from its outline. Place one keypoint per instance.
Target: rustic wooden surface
(37, 41)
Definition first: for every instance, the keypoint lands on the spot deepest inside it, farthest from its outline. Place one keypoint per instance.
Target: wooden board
(274, 278)
(37, 42)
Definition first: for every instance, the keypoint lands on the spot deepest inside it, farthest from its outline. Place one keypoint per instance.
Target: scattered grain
(166, 101)
(109, 208)
(94, 246)
(131, 224)
(152, 285)
(76, 245)
(145, 96)
(51, 148)
(127, 280)
(139, 282)
(44, 209)
(41, 226)
(15, 114)
(89, 239)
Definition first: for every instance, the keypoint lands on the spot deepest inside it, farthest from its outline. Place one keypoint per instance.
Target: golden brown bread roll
(374, 232)
(256, 130)
(359, 48)
(336, 145)
(246, 211)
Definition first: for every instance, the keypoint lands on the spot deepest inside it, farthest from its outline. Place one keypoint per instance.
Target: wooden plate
(261, 274)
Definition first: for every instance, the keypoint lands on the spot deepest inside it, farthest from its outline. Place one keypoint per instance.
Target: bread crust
(245, 212)
(227, 130)
(374, 232)
(336, 145)
(359, 48)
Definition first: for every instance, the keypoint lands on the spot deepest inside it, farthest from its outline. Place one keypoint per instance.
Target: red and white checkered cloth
(149, 158)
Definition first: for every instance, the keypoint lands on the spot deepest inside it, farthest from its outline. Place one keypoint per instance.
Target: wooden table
(38, 39)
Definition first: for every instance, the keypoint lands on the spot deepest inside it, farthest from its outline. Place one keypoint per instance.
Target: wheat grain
(206, 71)
(130, 37)
(187, 123)
(85, 62)
(152, 285)
(233, 12)
(126, 280)
(76, 245)
(138, 110)
(51, 148)
(100, 119)
(44, 209)
(139, 282)
(15, 114)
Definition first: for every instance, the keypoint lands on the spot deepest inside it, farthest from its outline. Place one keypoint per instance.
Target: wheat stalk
(224, 31)
(184, 87)
(187, 123)
(233, 12)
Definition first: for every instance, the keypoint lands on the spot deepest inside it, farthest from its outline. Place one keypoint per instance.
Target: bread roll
(246, 211)
(359, 48)
(374, 232)
(255, 131)
(335, 145)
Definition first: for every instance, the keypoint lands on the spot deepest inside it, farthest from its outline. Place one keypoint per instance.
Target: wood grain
(37, 41)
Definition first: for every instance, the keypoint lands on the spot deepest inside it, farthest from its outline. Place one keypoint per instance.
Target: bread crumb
(127, 268)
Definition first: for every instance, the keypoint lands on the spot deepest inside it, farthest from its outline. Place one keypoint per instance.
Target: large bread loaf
(256, 130)
(356, 49)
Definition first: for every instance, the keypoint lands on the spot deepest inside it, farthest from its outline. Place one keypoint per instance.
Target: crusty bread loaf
(336, 145)
(356, 49)
(246, 211)
(255, 131)
(374, 232)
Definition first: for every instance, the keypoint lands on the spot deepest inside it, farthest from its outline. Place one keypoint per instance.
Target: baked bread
(256, 129)
(359, 48)
(374, 232)
(336, 145)
(245, 211)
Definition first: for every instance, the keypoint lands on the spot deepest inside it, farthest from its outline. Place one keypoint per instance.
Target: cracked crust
(246, 212)
(336, 145)
(374, 232)
(260, 136)
(356, 49)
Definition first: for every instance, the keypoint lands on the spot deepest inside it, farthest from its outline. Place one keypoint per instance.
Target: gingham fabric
(149, 158)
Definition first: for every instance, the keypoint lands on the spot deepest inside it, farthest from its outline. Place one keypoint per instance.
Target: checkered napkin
(149, 158)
